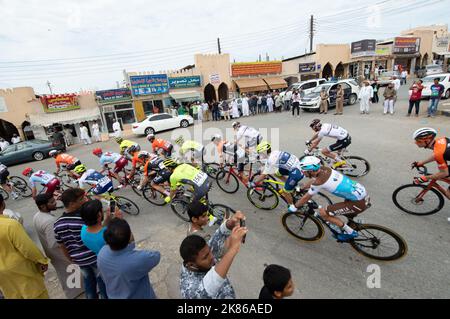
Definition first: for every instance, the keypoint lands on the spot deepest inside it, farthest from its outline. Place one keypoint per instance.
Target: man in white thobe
(3, 144)
(365, 96)
(117, 130)
(96, 132)
(245, 106)
(270, 103)
(235, 109)
(84, 135)
(16, 139)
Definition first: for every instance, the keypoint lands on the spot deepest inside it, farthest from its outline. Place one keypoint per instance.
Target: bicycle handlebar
(422, 170)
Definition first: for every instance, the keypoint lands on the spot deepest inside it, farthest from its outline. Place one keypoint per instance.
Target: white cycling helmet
(310, 163)
(216, 137)
(235, 124)
(424, 132)
(52, 152)
(150, 137)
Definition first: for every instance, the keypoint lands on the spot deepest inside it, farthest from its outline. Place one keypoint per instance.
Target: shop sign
(185, 82)
(442, 42)
(60, 102)
(149, 84)
(115, 95)
(3, 107)
(406, 45)
(383, 51)
(363, 48)
(256, 68)
(306, 67)
(214, 79)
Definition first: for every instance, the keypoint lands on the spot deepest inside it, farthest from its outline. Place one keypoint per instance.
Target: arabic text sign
(149, 84)
(113, 95)
(363, 48)
(406, 45)
(60, 103)
(185, 82)
(306, 67)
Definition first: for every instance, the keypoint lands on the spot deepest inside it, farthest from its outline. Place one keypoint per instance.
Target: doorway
(210, 93)
(7, 130)
(327, 71)
(223, 92)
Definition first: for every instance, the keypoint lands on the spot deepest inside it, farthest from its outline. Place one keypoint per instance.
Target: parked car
(311, 101)
(444, 79)
(161, 122)
(386, 77)
(33, 150)
(306, 86)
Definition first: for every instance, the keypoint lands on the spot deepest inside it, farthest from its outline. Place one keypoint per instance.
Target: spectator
(296, 103)
(16, 139)
(269, 103)
(203, 278)
(84, 135)
(396, 82)
(199, 217)
(259, 104)
(365, 96)
(207, 109)
(404, 75)
(216, 111)
(43, 222)
(278, 103)
(117, 129)
(376, 72)
(124, 268)
(253, 104)
(194, 108)
(22, 265)
(264, 103)
(226, 111)
(234, 109)
(389, 98)
(324, 100)
(200, 111)
(415, 97)
(68, 233)
(96, 132)
(375, 87)
(366, 73)
(277, 283)
(437, 90)
(339, 100)
(58, 138)
(68, 137)
(245, 106)
(182, 110)
(3, 144)
(287, 100)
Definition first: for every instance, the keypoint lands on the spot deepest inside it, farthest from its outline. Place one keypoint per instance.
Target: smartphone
(112, 207)
(242, 224)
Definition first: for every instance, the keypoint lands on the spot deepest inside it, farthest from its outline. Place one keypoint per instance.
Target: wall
(208, 64)
(333, 54)
(290, 68)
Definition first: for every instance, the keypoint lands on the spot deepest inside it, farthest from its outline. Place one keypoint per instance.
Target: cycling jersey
(187, 174)
(441, 152)
(155, 163)
(41, 177)
(332, 131)
(126, 144)
(100, 183)
(109, 158)
(232, 149)
(251, 135)
(191, 146)
(136, 160)
(65, 159)
(160, 143)
(341, 186)
(281, 161)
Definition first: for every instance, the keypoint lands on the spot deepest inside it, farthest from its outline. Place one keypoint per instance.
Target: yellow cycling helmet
(119, 140)
(263, 147)
(170, 163)
(179, 141)
(80, 169)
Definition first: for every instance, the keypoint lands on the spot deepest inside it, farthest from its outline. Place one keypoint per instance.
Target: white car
(428, 81)
(306, 86)
(311, 101)
(161, 122)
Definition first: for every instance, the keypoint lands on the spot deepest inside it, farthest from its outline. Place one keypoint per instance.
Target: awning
(185, 95)
(445, 53)
(251, 85)
(276, 83)
(68, 117)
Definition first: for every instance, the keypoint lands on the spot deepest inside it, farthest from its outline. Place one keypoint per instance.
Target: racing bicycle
(18, 185)
(228, 178)
(373, 241)
(425, 199)
(124, 204)
(133, 182)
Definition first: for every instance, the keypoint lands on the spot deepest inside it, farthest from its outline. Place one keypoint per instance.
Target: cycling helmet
(170, 163)
(27, 171)
(80, 169)
(424, 132)
(150, 137)
(310, 163)
(134, 148)
(119, 140)
(53, 153)
(216, 137)
(97, 151)
(315, 123)
(179, 140)
(263, 146)
(235, 125)
(143, 154)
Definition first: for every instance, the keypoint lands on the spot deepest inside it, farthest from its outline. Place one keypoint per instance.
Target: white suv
(306, 86)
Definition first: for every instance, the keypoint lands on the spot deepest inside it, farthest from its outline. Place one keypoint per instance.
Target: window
(345, 86)
(126, 116)
(123, 106)
(321, 81)
(9, 149)
(148, 107)
(309, 85)
(353, 82)
(165, 116)
(155, 118)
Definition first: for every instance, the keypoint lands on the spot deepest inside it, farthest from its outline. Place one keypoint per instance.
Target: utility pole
(311, 34)
(218, 45)
(49, 86)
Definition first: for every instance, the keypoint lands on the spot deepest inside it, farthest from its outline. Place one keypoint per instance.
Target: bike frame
(434, 184)
(233, 171)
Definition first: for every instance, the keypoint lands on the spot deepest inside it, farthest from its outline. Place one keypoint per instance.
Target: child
(199, 217)
(277, 283)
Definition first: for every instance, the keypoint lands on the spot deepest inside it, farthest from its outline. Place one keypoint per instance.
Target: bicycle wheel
(222, 212)
(320, 199)
(301, 226)
(20, 186)
(211, 169)
(227, 182)
(378, 242)
(134, 183)
(4, 193)
(179, 207)
(356, 166)
(127, 205)
(263, 197)
(153, 196)
(413, 199)
(66, 180)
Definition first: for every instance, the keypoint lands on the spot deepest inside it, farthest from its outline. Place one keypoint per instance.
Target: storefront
(185, 90)
(255, 77)
(116, 104)
(406, 52)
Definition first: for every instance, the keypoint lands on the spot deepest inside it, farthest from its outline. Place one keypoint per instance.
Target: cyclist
(112, 158)
(252, 137)
(425, 137)
(325, 178)
(188, 175)
(333, 131)
(62, 159)
(165, 170)
(99, 183)
(4, 173)
(152, 165)
(192, 148)
(232, 150)
(285, 165)
(127, 147)
(160, 146)
(41, 177)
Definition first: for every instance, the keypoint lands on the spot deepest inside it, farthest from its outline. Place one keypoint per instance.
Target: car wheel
(447, 94)
(149, 130)
(352, 99)
(184, 123)
(38, 156)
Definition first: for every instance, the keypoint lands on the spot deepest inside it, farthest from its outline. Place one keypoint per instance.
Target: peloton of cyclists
(41, 177)
(160, 146)
(229, 151)
(93, 181)
(111, 158)
(63, 159)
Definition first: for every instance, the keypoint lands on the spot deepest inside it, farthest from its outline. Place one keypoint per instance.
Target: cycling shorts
(52, 186)
(348, 207)
(120, 165)
(4, 177)
(70, 167)
(340, 144)
(162, 177)
(99, 190)
(295, 176)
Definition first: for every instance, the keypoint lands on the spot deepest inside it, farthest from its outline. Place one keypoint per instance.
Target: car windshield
(38, 142)
(433, 67)
(431, 78)
(319, 88)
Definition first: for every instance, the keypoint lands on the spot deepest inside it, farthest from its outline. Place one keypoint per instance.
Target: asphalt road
(323, 269)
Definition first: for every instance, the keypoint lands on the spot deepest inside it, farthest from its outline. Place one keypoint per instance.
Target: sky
(86, 44)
